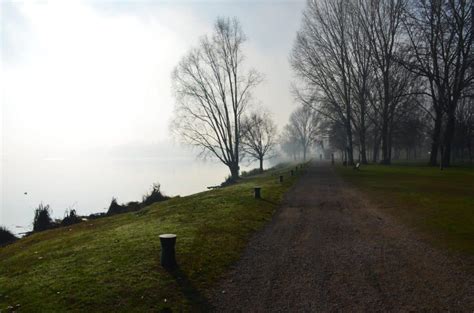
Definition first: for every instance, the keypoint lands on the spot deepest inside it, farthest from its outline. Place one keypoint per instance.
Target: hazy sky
(86, 74)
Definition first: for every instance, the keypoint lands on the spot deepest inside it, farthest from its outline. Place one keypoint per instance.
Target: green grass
(440, 204)
(112, 264)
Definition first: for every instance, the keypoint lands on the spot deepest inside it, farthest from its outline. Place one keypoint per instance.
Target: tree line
(373, 78)
(388, 73)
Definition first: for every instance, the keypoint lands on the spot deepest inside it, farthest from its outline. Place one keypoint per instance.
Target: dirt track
(329, 249)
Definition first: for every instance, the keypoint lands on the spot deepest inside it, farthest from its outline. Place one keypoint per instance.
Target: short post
(257, 192)
(168, 259)
(281, 178)
(291, 172)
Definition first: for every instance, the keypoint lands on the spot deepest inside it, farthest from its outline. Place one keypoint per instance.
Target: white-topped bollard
(257, 192)
(168, 242)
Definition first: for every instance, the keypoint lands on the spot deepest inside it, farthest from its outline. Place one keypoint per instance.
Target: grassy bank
(112, 264)
(438, 203)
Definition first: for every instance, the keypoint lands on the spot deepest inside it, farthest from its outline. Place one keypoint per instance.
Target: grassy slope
(112, 264)
(438, 203)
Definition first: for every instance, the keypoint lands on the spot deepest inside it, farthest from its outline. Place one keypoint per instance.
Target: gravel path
(329, 249)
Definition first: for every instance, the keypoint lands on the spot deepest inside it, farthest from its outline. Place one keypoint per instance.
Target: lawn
(112, 264)
(440, 204)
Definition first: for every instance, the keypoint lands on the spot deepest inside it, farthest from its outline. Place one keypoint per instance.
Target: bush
(70, 218)
(42, 220)
(133, 206)
(6, 237)
(255, 171)
(94, 216)
(154, 196)
(115, 208)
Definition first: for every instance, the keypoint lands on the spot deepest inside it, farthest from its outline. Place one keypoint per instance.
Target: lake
(87, 184)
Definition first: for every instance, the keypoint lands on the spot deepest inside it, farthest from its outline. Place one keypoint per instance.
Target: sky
(83, 75)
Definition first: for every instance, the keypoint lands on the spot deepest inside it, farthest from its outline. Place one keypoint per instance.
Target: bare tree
(303, 126)
(288, 143)
(258, 136)
(213, 92)
(440, 34)
(321, 61)
(382, 21)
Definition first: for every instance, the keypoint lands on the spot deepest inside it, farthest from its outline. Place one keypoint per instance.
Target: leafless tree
(440, 34)
(382, 21)
(362, 75)
(288, 143)
(321, 61)
(258, 136)
(303, 126)
(213, 90)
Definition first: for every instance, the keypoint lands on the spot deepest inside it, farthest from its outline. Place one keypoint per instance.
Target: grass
(112, 264)
(440, 204)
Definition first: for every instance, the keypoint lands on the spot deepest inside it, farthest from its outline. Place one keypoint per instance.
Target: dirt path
(329, 249)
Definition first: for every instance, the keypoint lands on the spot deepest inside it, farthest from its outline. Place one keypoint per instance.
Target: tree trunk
(261, 164)
(234, 170)
(384, 137)
(375, 152)
(363, 150)
(349, 148)
(448, 138)
(435, 138)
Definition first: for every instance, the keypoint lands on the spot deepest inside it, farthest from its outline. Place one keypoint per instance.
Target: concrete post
(257, 192)
(168, 258)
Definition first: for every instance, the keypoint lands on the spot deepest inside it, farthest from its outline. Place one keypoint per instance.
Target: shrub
(70, 218)
(94, 216)
(42, 220)
(115, 208)
(255, 171)
(6, 237)
(132, 206)
(154, 196)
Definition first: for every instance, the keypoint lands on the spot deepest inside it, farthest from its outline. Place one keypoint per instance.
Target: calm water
(88, 184)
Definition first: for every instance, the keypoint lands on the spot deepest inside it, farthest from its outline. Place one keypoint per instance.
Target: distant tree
(303, 126)
(258, 136)
(213, 92)
(288, 143)
(42, 220)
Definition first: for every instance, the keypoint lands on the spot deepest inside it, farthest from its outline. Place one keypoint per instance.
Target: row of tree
(373, 76)
(377, 70)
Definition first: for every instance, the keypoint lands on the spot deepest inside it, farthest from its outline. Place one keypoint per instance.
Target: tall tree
(440, 36)
(213, 92)
(382, 21)
(321, 61)
(258, 136)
